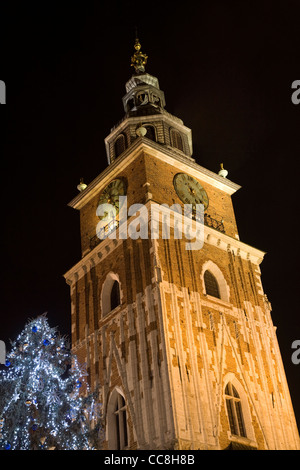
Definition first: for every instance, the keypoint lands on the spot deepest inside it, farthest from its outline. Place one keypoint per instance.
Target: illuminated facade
(181, 341)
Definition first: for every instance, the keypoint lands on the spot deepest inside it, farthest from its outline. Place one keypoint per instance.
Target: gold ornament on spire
(222, 171)
(138, 60)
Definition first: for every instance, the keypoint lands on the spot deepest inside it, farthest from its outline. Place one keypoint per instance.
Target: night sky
(226, 69)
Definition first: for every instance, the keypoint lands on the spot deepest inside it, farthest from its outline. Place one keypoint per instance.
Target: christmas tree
(45, 401)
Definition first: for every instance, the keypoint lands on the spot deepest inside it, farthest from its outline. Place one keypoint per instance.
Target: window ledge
(111, 312)
(221, 302)
(242, 440)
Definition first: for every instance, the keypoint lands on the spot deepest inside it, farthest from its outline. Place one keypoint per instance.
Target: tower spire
(138, 60)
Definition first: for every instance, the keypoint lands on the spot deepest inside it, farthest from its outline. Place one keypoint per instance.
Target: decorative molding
(161, 152)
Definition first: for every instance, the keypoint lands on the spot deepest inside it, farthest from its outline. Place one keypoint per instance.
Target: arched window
(211, 285)
(117, 422)
(130, 104)
(214, 282)
(176, 140)
(234, 411)
(150, 133)
(120, 145)
(115, 295)
(111, 296)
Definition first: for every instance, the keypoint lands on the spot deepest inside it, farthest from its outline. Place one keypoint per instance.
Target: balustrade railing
(103, 232)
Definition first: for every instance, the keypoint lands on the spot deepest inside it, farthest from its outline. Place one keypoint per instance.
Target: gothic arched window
(120, 145)
(211, 285)
(117, 422)
(234, 411)
(176, 140)
(130, 104)
(115, 295)
(150, 133)
(111, 295)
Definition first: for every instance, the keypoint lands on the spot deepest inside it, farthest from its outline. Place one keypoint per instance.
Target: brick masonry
(168, 347)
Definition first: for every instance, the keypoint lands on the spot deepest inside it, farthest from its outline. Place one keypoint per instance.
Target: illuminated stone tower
(180, 340)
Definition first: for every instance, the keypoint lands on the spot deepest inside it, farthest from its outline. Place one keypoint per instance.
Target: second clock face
(189, 190)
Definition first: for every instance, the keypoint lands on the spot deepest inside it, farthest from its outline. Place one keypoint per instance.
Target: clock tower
(178, 338)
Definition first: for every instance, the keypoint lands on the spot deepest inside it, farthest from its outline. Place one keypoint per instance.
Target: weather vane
(138, 60)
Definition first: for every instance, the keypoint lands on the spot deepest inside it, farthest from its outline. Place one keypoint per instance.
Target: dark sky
(226, 69)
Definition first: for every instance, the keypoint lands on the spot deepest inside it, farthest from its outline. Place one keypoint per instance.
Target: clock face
(111, 193)
(189, 190)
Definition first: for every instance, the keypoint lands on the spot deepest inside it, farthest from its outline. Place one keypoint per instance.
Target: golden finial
(138, 60)
(81, 186)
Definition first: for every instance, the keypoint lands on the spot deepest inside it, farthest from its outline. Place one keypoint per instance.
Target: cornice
(237, 247)
(163, 115)
(211, 236)
(161, 152)
(91, 259)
